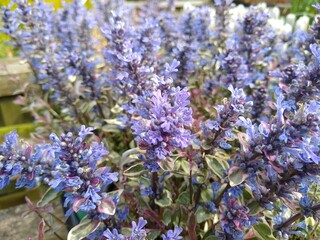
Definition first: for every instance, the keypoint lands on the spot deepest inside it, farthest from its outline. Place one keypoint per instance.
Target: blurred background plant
(303, 7)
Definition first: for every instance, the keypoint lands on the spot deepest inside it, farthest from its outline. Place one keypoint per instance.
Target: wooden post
(13, 75)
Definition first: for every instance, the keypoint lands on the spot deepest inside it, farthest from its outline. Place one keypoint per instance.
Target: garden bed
(152, 123)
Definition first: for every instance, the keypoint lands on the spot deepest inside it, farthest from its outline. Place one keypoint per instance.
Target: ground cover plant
(201, 124)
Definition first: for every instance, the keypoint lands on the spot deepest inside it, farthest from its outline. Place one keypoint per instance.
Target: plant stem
(100, 110)
(314, 229)
(190, 186)
(197, 196)
(218, 200)
(47, 224)
(154, 186)
(58, 219)
(297, 216)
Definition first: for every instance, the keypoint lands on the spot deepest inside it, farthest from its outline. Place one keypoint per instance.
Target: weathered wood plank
(11, 114)
(13, 75)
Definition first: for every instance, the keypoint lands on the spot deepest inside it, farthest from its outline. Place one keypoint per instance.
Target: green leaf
(48, 196)
(84, 107)
(202, 215)
(166, 165)
(113, 194)
(134, 170)
(116, 122)
(166, 217)
(129, 156)
(82, 230)
(91, 105)
(175, 216)
(153, 234)
(247, 193)
(165, 200)
(110, 128)
(126, 231)
(236, 176)
(207, 195)
(116, 109)
(221, 155)
(187, 166)
(254, 208)
(218, 167)
(263, 231)
(211, 237)
(184, 198)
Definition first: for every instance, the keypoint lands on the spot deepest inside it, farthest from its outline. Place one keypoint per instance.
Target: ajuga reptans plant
(204, 124)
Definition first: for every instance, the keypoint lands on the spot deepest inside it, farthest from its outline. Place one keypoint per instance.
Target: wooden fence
(13, 75)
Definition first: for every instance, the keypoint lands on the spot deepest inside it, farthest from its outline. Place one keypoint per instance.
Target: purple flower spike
(163, 128)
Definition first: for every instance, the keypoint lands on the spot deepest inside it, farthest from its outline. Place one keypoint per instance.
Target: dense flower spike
(60, 48)
(221, 23)
(252, 40)
(163, 128)
(133, 61)
(20, 159)
(235, 219)
(194, 27)
(8, 153)
(67, 165)
(216, 133)
(233, 69)
(77, 174)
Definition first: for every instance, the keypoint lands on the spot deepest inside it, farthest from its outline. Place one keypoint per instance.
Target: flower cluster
(8, 155)
(216, 133)
(252, 41)
(235, 218)
(138, 232)
(282, 153)
(221, 22)
(59, 47)
(130, 75)
(67, 165)
(77, 174)
(21, 159)
(163, 126)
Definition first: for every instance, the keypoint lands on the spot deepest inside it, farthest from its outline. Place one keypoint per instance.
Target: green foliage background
(303, 7)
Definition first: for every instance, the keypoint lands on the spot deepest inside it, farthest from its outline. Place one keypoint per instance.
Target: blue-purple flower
(173, 234)
(164, 127)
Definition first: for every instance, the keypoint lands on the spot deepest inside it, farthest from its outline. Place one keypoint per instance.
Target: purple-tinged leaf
(236, 176)
(107, 206)
(82, 230)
